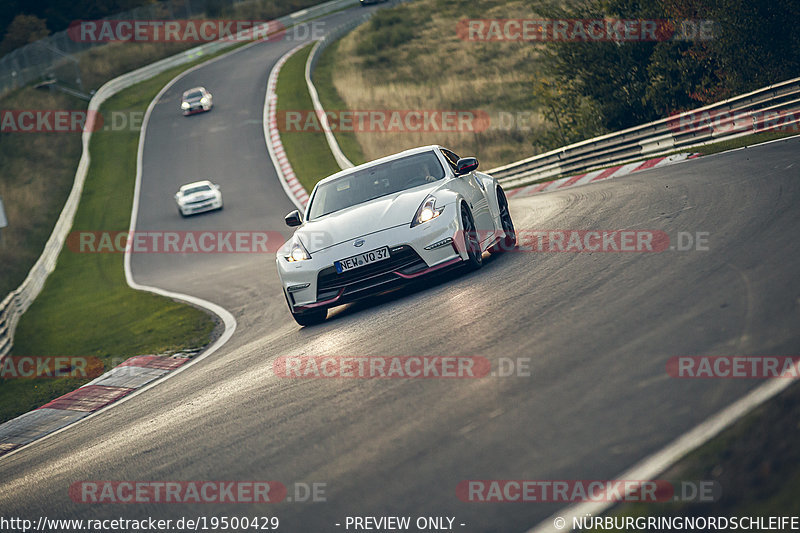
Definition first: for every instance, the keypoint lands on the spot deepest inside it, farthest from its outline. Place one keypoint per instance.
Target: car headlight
(427, 211)
(185, 105)
(297, 252)
(204, 100)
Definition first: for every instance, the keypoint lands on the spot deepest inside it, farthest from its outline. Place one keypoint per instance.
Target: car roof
(196, 184)
(201, 89)
(385, 159)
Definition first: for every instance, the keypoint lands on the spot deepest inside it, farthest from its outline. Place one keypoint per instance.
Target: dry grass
(436, 70)
(36, 173)
(103, 63)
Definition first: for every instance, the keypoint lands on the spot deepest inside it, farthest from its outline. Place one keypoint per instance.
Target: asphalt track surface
(598, 329)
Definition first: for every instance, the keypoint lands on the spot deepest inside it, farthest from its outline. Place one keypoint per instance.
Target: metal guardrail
(19, 300)
(741, 115)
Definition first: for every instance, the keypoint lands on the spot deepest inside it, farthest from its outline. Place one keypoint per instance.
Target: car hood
(196, 197)
(363, 219)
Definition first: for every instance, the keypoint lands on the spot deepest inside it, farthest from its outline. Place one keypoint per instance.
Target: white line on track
(655, 464)
(660, 461)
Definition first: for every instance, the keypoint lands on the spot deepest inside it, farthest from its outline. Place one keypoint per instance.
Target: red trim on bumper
(430, 269)
(195, 111)
(320, 304)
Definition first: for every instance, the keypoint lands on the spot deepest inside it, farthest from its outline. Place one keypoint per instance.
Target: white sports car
(198, 197)
(196, 100)
(372, 227)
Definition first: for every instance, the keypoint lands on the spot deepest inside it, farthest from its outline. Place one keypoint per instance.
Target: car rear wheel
(509, 241)
(473, 244)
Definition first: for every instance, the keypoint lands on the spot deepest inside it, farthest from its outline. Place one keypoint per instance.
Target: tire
(474, 258)
(509, 242)
(310, 318)
(181, 213)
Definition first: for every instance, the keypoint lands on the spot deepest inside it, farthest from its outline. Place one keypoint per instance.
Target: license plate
(373, 256)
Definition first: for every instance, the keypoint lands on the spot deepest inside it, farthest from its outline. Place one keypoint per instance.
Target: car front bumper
(414, 252)
(196, 109)
(208, 205)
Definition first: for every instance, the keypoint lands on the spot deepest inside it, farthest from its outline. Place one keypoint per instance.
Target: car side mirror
(293, 219)
(466, 165)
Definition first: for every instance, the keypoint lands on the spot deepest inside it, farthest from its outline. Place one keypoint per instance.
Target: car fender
(490, 186)
(445, 196)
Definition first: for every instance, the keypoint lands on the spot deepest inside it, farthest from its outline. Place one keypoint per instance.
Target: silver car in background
(196, 100)
(198, 197)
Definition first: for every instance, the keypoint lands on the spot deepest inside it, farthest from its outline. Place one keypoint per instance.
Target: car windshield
(194, 95)
(199, 188)
(374, 182)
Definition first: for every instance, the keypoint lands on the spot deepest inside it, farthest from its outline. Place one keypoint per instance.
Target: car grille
(402, 259)
(195, 203)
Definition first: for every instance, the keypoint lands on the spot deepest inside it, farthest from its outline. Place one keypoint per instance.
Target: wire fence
(56, 56)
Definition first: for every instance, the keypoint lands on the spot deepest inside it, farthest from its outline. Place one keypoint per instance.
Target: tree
(751, 45)
(23, 29)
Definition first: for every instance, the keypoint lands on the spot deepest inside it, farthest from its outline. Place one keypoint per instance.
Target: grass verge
(740, 142)
(332, 101)
(37, 170)
(308, 150)
(86, 308)
(756, 463)
(411, 58)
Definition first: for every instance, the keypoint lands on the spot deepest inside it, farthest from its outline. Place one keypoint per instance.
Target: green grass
(86, 307)
(756, 463)
(308, 151)
(331, 100)
(747, 140)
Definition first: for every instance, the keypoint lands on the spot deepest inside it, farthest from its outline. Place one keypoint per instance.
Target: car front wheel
(310, 318)
(307, 318)
(473, 244)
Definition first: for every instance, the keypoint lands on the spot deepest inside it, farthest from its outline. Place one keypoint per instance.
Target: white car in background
(198, 197)
(383, 223)
(196, 100)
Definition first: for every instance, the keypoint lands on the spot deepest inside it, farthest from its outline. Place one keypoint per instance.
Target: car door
(473, 190)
